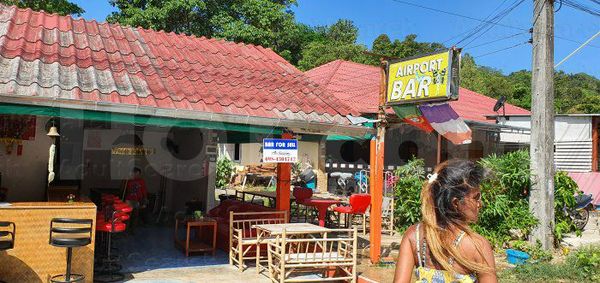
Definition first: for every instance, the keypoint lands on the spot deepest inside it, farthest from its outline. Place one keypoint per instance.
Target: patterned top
(431, 275)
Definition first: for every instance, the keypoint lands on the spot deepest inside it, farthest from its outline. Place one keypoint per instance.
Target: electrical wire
(478, 26)
(581, 7)
(497, 40)
(481, 20)
(500, 50)
(577, 49)
(498, 18)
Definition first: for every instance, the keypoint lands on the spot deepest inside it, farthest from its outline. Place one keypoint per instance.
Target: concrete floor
(224, 273)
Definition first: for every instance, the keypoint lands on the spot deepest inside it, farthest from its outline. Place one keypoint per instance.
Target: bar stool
(108, 272)
(7, 243)
(7, 238)
(70, 233)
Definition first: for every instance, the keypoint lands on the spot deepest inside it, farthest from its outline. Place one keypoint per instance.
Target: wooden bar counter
(33, 259)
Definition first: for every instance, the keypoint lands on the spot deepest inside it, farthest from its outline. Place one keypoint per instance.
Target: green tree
(330, 43)
(62, 7)
(269, 23)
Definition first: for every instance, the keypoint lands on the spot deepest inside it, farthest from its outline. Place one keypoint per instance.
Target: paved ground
(210, 274)
(590, 234)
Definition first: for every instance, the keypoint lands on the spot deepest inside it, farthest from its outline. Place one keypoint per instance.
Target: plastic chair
(359, 203)
(301, 195)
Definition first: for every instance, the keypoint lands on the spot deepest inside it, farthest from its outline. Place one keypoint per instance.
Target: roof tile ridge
(330, 76)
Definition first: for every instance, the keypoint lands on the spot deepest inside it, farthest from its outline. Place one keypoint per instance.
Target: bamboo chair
(328, 257)
(243, 242)
(387, 216)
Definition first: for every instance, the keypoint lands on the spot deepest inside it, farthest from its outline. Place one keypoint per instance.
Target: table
(189, 245)
(266, 232)
(322, 205)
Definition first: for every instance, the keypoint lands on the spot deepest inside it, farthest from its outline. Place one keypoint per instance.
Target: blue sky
(374, 17)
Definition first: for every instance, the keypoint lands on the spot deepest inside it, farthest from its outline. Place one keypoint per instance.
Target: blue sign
(280, 144)
(280, 150)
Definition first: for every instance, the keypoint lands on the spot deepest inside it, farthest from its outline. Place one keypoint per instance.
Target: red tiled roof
(57, 57)
(358, 86)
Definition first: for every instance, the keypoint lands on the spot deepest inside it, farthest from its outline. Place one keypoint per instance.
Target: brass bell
(53, 132)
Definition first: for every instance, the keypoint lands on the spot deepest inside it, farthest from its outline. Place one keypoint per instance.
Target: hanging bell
(53, 132)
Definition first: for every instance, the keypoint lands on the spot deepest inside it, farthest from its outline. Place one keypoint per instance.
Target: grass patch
(582, 265)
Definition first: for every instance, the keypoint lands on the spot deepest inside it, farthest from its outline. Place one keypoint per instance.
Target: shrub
(564, 192)
(587, 259)
(505, 214)
(407, 210)
(224, 171)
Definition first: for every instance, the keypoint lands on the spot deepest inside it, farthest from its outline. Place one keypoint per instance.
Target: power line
(456, 14)
(500, 50)
(500, 16)
(581, 7)
(497, 40)
(481, 20)
(577, 49)
(477, 27)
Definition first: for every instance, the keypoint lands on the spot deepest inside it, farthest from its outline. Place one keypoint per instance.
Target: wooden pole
(439, 148)
(284, 174)
(377, 164)
(541, 200)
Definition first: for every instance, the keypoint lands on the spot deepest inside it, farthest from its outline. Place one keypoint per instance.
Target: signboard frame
(452, 77)
(269, 151)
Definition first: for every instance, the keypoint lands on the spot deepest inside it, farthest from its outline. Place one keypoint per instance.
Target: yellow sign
(432, 77)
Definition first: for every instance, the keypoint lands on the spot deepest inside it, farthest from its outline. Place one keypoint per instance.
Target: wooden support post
(376, 156)
(321, 171)
(595, 145)
(284, 175)
(439, 148)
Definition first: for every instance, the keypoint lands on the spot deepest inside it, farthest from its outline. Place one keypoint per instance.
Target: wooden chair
(329, 257)
(242, 234)
(387, 216)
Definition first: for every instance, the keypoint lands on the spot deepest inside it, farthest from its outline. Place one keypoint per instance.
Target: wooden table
(189, 245)
(266, 232)
(322, 205)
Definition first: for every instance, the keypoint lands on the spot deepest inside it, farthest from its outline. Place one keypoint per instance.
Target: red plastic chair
(302, 195)
(359, 203)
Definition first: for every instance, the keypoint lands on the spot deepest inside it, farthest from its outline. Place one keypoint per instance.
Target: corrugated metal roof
(358, 86)
(57, 57)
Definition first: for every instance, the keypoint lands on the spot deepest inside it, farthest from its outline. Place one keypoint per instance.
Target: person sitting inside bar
(136, 195)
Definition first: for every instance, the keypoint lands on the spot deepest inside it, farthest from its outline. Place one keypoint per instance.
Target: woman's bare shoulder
(476, 246)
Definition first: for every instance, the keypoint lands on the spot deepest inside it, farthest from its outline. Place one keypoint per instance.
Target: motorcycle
(581, 213)
(345, 183)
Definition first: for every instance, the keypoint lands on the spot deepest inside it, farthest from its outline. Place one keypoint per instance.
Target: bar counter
(33, 259)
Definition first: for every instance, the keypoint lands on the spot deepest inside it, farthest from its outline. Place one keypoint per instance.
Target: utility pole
(541, 199)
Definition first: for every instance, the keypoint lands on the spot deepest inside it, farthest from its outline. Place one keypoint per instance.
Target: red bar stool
(358, 206)
(108, 271)
(302, 195)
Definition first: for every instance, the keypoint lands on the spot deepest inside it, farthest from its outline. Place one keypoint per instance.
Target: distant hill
(574, 93)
